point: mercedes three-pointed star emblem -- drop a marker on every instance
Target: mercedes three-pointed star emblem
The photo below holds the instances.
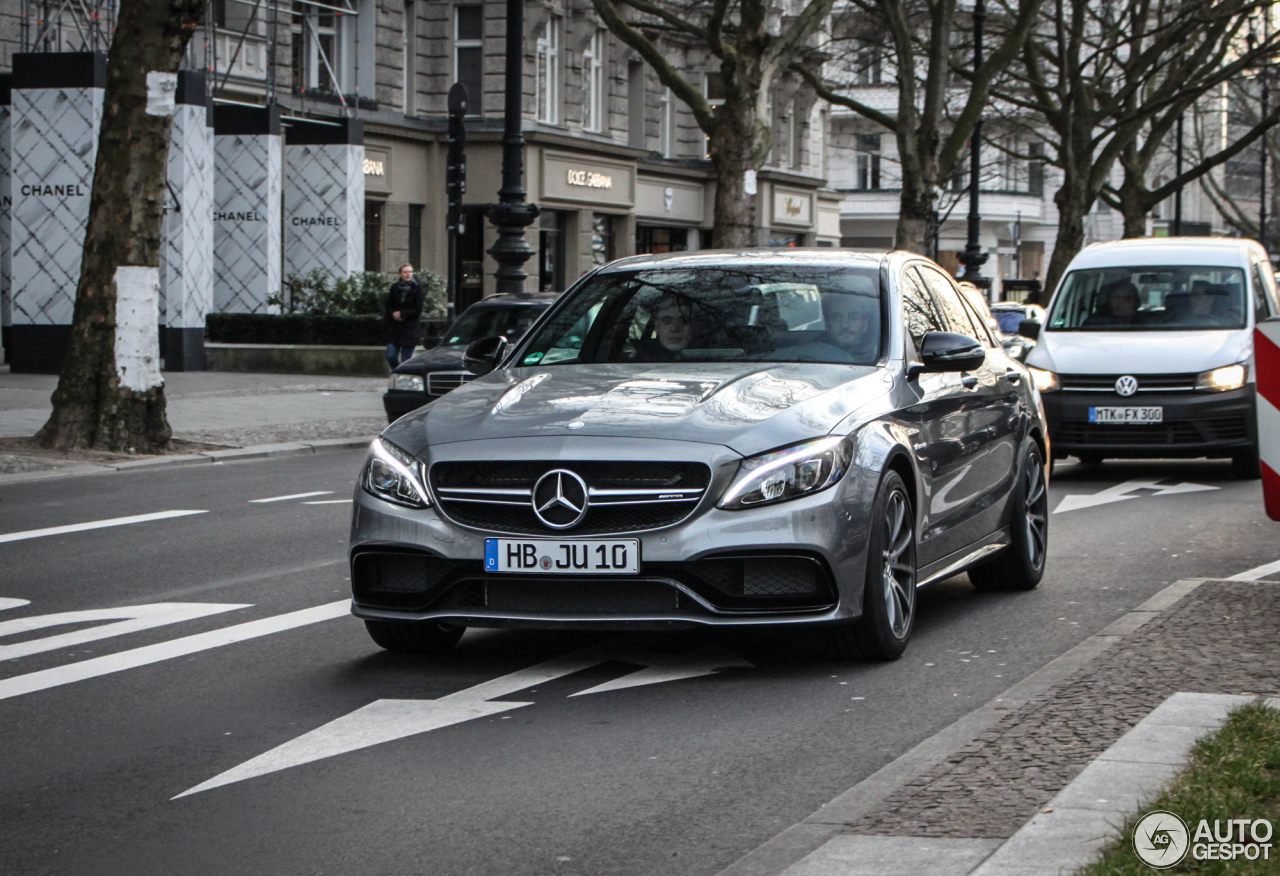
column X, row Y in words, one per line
column 560, row 499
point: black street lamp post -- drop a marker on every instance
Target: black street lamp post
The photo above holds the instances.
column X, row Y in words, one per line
column 511, row 214
column 973, row 258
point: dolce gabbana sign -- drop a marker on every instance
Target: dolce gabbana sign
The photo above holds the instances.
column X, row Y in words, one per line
column 377, row 169
column 587, row 180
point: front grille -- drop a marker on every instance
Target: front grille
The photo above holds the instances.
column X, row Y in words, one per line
column 592, row 596
column 440, row 382
column 624, row 496
column 1173, row 433
column 1146, row 382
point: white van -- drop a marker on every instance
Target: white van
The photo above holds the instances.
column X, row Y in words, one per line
column 1147, row 350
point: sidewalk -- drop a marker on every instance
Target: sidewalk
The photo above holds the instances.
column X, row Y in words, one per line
column 217, row 408
column 976, row 785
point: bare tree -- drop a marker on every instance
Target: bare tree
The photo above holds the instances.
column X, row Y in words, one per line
column 110, row 393
column 934, row 120
column 1098, row 72
column 753, row 42
column 1236, row 192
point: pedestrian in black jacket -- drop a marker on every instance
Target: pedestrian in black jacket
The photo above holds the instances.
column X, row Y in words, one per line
column 403, row 317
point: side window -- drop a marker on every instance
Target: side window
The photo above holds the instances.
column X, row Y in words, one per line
column 1264, row 283
column 919, row 312
column 953, row 308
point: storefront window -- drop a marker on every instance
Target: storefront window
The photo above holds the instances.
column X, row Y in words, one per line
column 657, row 240
column 470, row 257
column 551, row 251
column 783, row 238
column 415, row 234
column 373, row 235
column 601, row 239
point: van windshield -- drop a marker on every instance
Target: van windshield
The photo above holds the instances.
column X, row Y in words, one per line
column 1150, row 298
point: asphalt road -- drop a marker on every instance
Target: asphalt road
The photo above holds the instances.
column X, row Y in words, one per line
column 680, row 775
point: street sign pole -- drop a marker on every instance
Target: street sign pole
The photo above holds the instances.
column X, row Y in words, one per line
column 1266, row 358
column 455, row 185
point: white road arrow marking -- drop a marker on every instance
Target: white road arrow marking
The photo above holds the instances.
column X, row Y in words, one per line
column 388, row 720
column 95, row 524
column 130, row 619
column 1120, row 492
column 6, row 602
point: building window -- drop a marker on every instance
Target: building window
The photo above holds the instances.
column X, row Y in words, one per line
column 548, row 72
column 409, row 57
column 601, row 239
column 868, row 162
column 869, row 70
column 551, row 251
column 1035, row 169
column 664, row 123
column 713, row 90
column 593, row 83
column 468, row 55
column 373, row 235
column 656, row 239
column 315, row 39
column 415, row 235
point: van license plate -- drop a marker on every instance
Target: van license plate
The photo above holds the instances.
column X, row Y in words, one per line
column 1126, row 416
column 579, row 556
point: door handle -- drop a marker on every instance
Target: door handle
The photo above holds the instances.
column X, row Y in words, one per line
column 968, row 381
column 1014, row 376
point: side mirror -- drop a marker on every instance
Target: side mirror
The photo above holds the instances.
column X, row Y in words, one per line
column 483, row 356
column 1030, row 328
column 944, row 351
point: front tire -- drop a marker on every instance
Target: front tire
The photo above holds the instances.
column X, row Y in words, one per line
column 414, row 637
column 889, row 593
column 1021, row 565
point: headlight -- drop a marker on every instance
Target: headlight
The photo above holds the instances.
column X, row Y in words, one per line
column 1046, row 381
column 409, row 382
column 394, row 476
column 788, row 473
column 1221, row 379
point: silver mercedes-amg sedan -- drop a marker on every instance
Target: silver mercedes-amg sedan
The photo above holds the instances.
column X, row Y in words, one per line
column 757, row 437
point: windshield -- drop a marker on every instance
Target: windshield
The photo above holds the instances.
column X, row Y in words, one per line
column 488, row 321
column 783, row 313
column 1009, row 320
column 1151, row 298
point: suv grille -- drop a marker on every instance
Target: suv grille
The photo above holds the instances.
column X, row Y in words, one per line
column 1146, row 382
column 623, row 496
column 440, row 382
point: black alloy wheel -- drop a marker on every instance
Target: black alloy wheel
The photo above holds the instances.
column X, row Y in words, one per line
column 889, row 593
column 1021, row 565
column 414, row 637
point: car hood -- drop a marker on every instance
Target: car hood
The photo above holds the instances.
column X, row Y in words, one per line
column 748, row 407
column 1140, row 352
column 436, row 359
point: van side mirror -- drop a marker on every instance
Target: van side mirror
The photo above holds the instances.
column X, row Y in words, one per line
column 1030, row 328
column 945, row 351
column 483, row 356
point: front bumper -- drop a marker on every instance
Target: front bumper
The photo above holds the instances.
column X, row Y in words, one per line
column 795, row 562
column 1195, row 424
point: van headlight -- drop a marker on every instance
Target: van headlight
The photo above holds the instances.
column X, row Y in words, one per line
column 1221, row 379
column 407, row 382
column 1046, row 381
column 788, row 473
column 394, row 476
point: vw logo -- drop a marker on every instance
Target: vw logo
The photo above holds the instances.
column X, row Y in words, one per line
column 560, row 498
column 1127, row 385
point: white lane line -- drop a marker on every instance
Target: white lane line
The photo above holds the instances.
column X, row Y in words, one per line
column 330, row 502
column 109, row 663
column 293, row 496
column 1259, row 572
column 95, row 524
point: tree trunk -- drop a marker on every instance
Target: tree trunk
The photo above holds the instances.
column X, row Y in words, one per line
column 1073, row 205
column 110, row 393
column 733, row 148
column 1134, row 203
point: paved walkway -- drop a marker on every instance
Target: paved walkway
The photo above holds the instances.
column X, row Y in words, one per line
column 235, row 410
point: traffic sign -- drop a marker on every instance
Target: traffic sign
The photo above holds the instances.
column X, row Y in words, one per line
column 1266, row 358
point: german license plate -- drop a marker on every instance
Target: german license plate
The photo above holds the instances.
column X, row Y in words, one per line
column 1126, row 416
column 579, row 556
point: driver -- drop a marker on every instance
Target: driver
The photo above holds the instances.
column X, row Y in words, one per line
column 851, row 324
column 1122, row 306
column 673, row 329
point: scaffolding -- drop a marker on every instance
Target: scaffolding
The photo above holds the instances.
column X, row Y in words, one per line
column 238, row 49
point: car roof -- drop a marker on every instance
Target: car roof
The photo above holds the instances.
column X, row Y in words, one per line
column 708, row 258
column 1169, row 251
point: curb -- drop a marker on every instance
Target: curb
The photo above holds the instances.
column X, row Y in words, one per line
column 806, row 836
column 233, row 454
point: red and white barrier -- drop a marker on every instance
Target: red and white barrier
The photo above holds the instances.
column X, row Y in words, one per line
column 1266, row 358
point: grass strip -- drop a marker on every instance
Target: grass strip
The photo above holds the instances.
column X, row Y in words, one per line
column 1233, row 773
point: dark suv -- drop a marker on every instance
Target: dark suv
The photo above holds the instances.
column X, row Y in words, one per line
column 438, row 369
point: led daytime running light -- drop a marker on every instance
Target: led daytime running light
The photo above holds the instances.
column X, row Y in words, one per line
column 754, row 473
column 410, row 491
